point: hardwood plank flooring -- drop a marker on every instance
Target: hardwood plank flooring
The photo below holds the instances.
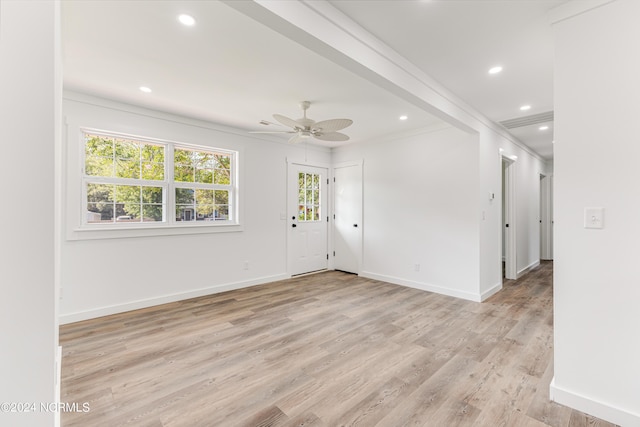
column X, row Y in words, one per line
column 328, row 349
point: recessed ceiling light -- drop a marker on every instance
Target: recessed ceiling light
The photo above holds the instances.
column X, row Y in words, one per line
column 145, row 89
column 495, row 70
column 403, row 117
column 525, row 107
column 543, row 127
column 187, row 20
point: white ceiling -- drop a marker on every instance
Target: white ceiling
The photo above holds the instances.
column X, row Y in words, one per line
column 232, row 70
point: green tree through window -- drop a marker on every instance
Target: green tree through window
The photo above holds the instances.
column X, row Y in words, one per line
column 126, row 180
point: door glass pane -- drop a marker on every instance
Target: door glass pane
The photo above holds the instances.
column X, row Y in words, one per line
column 309, row 208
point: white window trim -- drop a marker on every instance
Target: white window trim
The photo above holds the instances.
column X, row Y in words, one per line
column 86, row 231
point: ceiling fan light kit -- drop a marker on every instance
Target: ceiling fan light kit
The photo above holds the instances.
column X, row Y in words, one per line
column 304, row 128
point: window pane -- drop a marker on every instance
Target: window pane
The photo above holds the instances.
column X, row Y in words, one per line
column 222, row 212
column 127, row 193
column 98, row 146
column 204, row 197
column 100, row 193
column 99, row 212
column 183, row 173
column 152, row 195
column 204, row 176
column 98, row 166
column 185, row 213
column 182, row 156
column 204, row 212
column 152, row 153
column 126, row 149
column 128, row 212
column 222, row 197
column 309, row 197
column 185, row 196
column 206, row 161
column 153, row 171
column 222, row 176
column 152, row 213
column 128, row 169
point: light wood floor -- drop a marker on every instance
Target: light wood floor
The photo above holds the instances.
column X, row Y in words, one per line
column 329, row 349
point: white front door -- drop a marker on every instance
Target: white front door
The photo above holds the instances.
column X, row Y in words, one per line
column 308, row 218
column 348, row 218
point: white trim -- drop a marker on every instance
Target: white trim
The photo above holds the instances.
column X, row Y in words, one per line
column 490, row 292
column 574, row 8
column 510, row 250
column 470, row 296
column 592, row 406
column 150, row 302
column 528, row 268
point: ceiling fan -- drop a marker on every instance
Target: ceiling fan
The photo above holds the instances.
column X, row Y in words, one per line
column 304, row 128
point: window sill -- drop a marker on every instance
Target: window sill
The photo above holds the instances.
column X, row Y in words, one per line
column 119, row 232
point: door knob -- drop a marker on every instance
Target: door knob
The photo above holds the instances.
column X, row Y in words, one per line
column 355, row 225
column 294, row 225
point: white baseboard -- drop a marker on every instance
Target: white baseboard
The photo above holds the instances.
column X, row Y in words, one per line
column 423, row 286
column 593, row 407
column 492, row 291
column 527, row 269
column 149, row 302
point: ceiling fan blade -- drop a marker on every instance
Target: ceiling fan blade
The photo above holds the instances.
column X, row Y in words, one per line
column 267, row 123
column 296, row 138
column 286, row 121
column 332, row 136
column 332, row 125
column 272, row 131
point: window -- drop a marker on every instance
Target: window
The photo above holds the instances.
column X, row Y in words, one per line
column 129, row 180
column 308, row 197
column 202, row 185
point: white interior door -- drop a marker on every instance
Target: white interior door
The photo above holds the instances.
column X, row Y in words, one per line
column 348, row 218
column 308, row 218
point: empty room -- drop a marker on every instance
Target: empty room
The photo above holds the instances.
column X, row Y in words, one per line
column 319, row 213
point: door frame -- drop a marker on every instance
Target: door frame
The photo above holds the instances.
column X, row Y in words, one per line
column 509, row 194
column 360, row 254
column 329, row 208
column 546, row 216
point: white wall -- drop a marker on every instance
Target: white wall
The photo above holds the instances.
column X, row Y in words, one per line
column 29, row 86
column 104, row 276
column 597, row 283
column 420, row 207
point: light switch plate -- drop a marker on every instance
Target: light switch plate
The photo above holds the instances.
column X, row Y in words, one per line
column 593, row 217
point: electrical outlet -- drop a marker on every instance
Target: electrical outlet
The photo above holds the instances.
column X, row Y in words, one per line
column 246, row 265
column 416, row 267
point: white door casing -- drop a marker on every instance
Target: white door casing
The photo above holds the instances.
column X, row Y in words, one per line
column 509, row 220
column 307, row 218
column 347, row 238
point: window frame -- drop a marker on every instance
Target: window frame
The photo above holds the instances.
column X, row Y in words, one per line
column 169, row 225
